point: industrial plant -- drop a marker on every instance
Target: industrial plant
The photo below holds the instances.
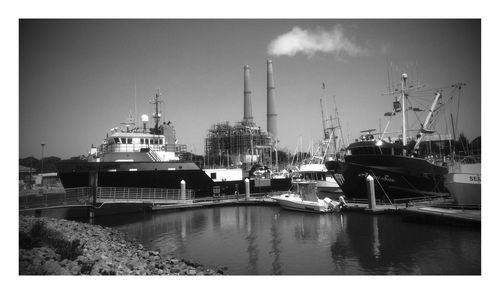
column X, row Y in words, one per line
column 245, row 143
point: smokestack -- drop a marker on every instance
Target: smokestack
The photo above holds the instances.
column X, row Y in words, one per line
column 271, row 109
column 247, row 107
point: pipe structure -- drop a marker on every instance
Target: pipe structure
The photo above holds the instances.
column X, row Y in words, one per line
column 271, row 108
column 247, row 107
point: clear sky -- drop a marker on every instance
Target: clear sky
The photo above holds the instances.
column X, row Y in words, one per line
column 77, row 77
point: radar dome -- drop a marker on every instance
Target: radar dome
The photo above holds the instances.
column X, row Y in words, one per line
column 144, row 118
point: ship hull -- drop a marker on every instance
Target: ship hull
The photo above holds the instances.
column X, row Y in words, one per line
column 166, row 175
column 296, row 204
column 395, row 177
column 465, row 185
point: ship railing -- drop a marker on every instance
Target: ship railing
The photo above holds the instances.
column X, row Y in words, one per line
column 138, row 147
column 125, row 194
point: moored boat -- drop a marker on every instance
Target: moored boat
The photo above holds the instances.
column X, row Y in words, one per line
column 143, row 157
column 305, row 199
column 400, row 168
column 317, row 172
column 464, row 182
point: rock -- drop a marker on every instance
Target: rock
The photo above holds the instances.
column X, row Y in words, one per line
column 104, row 251
column 174, row 261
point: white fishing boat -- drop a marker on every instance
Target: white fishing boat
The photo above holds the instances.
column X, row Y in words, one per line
column 330, row 148
column 463, row 181
column 317, row 172
column 305, row 199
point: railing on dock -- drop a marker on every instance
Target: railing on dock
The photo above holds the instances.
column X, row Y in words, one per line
column 444, row 201
column 82, row 196
column 144, row 194
column 67, row 197
column 440, row 200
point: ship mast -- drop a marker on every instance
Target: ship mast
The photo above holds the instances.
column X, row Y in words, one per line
column 404, row 77
column 156, row 114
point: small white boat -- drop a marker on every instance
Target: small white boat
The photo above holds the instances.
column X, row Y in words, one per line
column 306, row 199
column 463, row 181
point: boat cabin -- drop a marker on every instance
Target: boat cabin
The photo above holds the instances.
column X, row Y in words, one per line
column 136, row 146
column 375, row 148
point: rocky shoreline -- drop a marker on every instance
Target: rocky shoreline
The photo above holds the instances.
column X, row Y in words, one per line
column 61, row 247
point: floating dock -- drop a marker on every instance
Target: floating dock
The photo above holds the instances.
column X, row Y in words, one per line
column 420, row 213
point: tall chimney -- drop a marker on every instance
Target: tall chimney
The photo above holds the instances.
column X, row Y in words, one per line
column 247, row 107
column 271, row 109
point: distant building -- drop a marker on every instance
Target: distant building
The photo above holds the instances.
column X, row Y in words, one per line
column 26, row 177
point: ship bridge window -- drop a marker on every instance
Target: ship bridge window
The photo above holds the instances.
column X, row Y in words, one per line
column 123, row 141
column 363, row 150
column 129, row 140
column 117, row 140
column 142, row 141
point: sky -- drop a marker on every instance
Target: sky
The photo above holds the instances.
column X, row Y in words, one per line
column 80, row 78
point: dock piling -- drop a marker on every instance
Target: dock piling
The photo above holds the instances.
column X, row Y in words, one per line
column 370, row 191
column 183, row 190
column 247, row 189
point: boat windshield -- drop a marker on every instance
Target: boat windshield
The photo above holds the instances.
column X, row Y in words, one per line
column 307, row 192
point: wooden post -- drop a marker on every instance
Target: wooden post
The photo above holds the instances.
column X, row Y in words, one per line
column 247, row 189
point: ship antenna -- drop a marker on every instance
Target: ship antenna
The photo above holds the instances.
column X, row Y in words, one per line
column 156, row 114
column 135, row 100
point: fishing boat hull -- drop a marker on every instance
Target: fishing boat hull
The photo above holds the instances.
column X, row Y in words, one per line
column 464, row 185
column 395, row 177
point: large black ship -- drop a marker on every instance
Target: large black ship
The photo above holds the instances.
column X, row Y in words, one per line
column 400, row 169
column 395, row 175
column 142, row 157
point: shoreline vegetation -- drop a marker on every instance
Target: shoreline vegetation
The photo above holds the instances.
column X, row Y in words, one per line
column 50, row 246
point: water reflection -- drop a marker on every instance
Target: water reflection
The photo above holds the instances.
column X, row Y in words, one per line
column 339, row 248
column 277, row 265
column 375, row 240
column 251, row 236
column 268, row 240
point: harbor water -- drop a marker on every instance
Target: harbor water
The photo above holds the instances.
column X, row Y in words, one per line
column 266, row 240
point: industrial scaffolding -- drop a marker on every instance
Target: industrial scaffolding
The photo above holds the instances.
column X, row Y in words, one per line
column 241, row 144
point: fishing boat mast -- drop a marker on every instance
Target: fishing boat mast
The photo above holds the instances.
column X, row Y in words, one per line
column 404, row 78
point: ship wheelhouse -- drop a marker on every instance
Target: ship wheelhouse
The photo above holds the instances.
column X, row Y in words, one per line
column 375, row 148
column 136, row 142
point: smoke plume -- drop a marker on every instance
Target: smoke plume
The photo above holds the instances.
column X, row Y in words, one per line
column 300, row 40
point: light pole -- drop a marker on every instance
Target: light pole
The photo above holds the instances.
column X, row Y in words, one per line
column 43, row 145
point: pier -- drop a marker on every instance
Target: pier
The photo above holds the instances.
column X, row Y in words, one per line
column 437, row 210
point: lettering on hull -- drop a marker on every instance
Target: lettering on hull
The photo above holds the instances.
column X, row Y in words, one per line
column 384, row 178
